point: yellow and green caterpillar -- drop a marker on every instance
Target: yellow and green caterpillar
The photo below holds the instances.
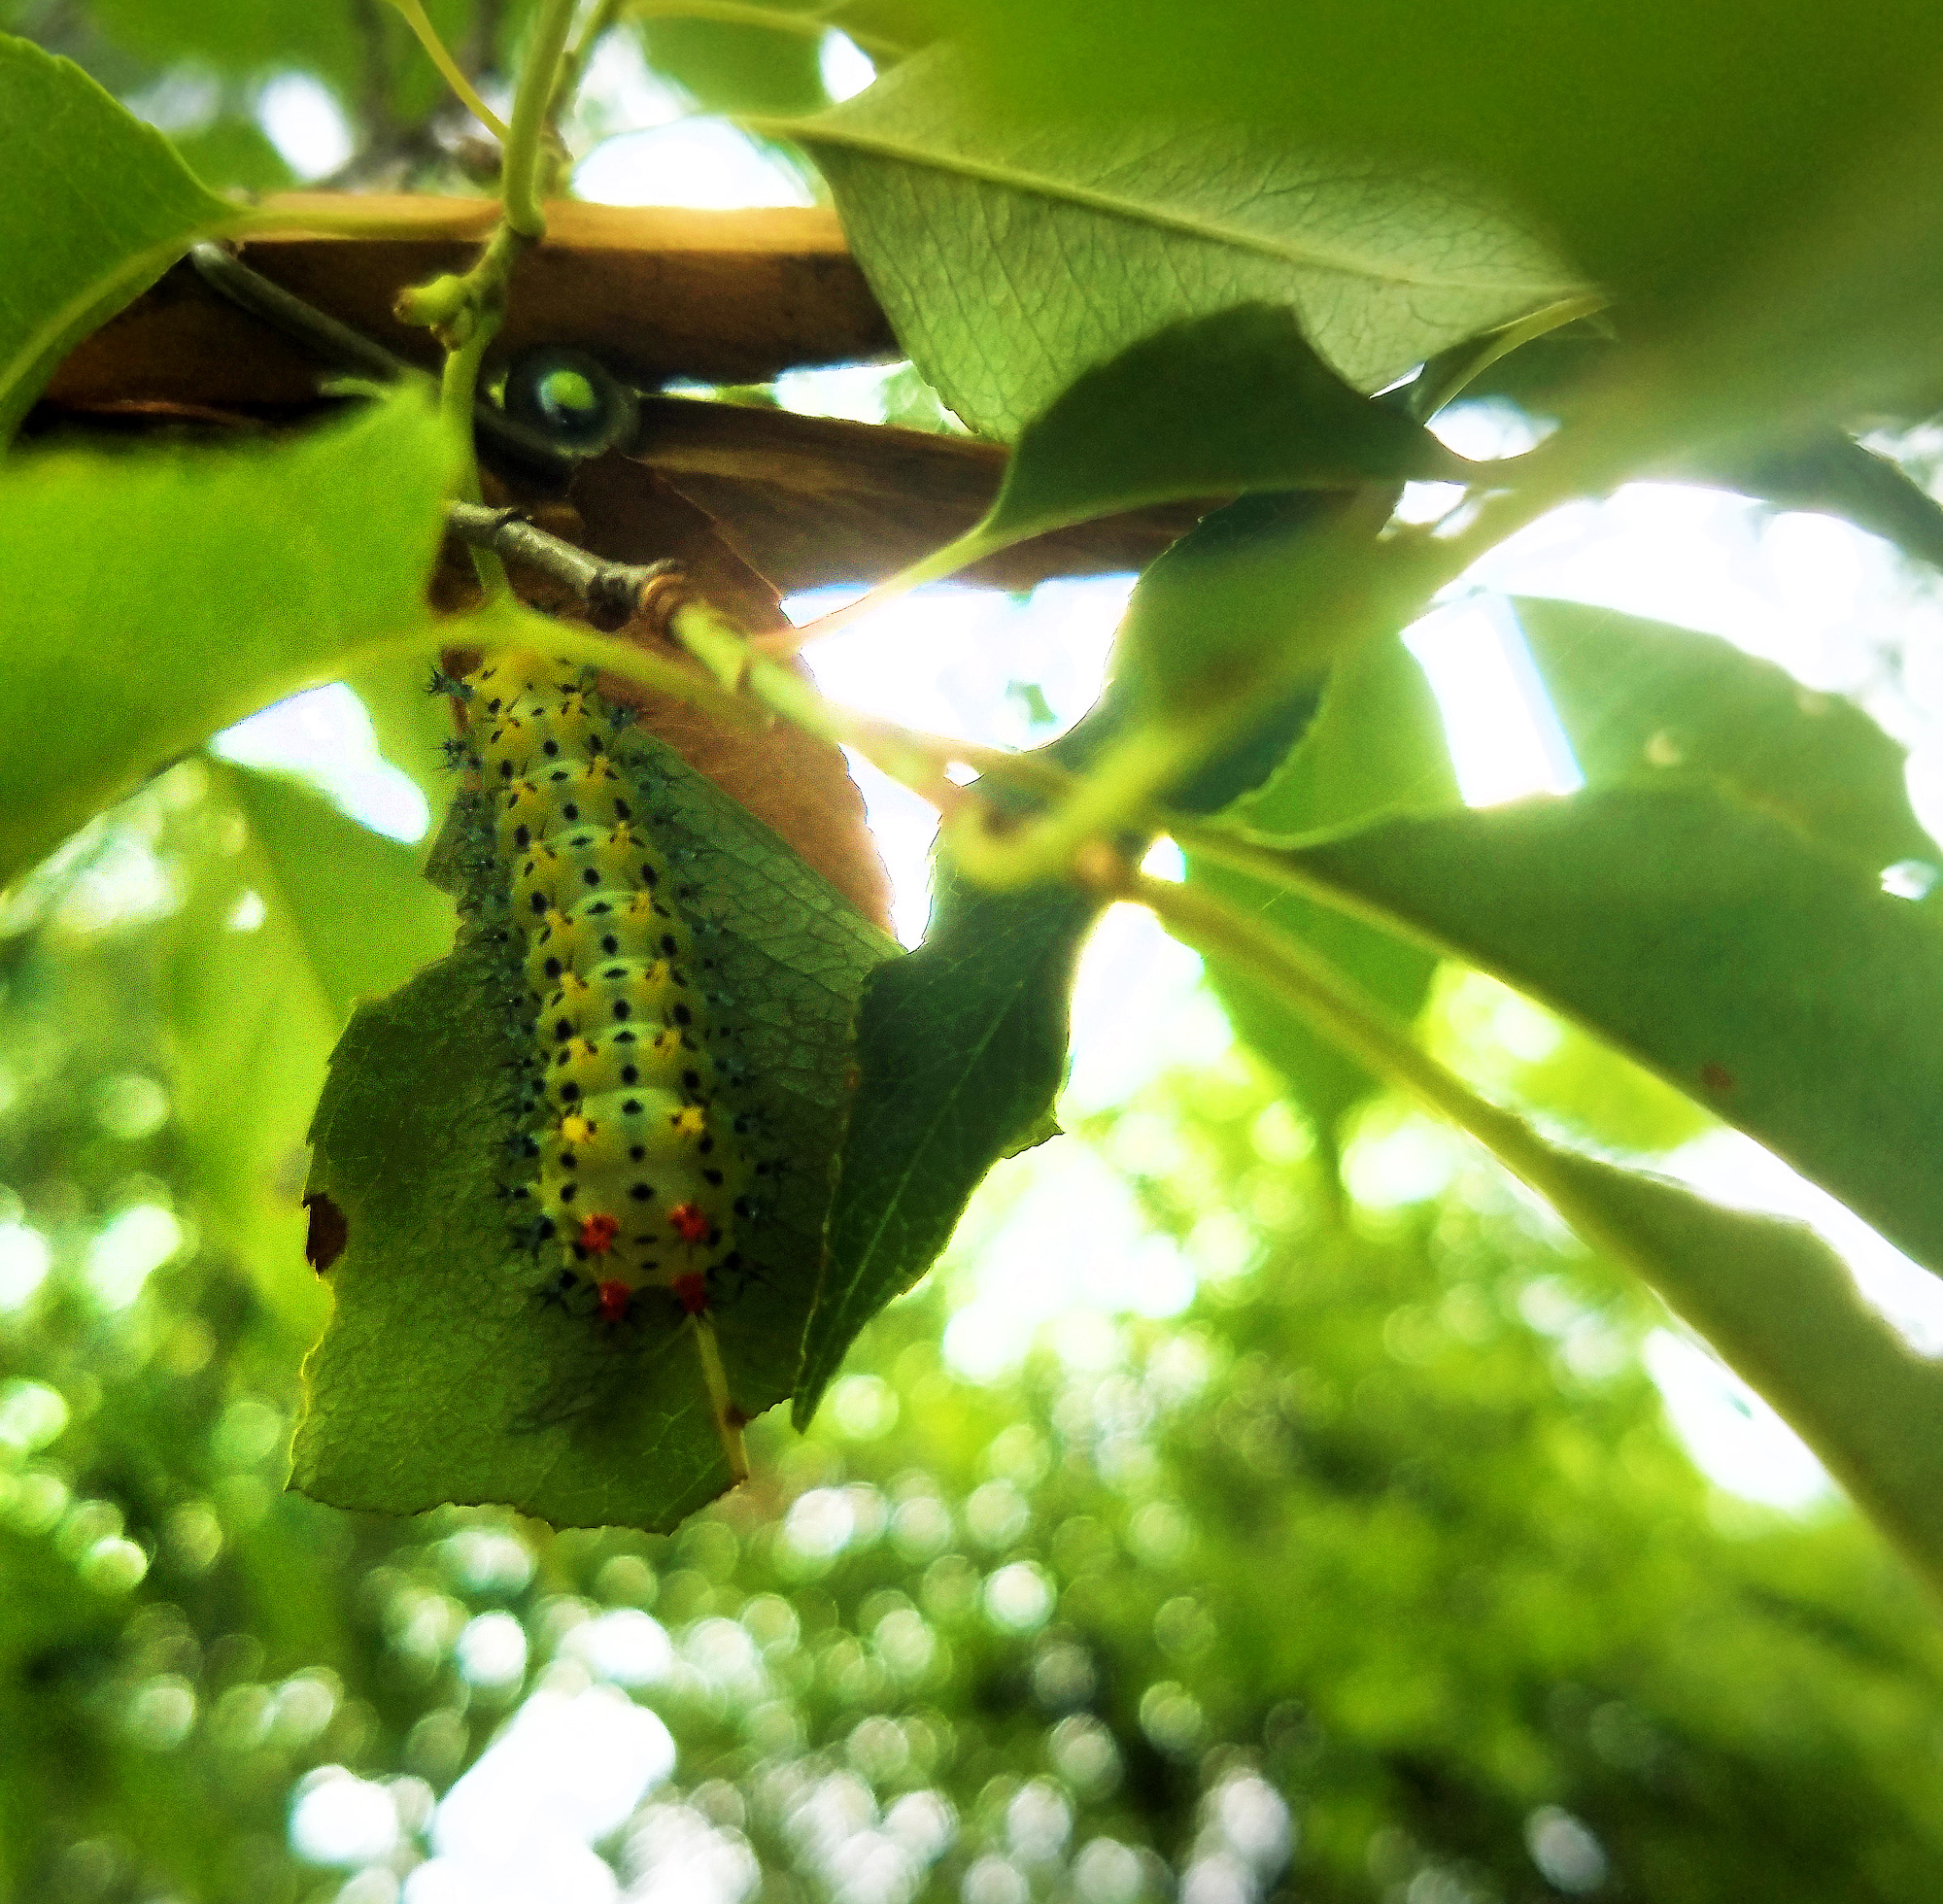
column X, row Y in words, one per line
column 643, row 1174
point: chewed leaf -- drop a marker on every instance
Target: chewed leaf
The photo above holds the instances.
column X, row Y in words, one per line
column 457, row 1366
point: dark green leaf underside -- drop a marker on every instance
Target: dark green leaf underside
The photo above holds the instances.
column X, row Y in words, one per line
column 1773, row 981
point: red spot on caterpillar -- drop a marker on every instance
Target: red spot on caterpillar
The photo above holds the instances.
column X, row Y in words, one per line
column 614, row 1302
column 690, row 1221
column 329, row 1232
column 598, row 1233
column 692, row 1292
column 1717, row 1077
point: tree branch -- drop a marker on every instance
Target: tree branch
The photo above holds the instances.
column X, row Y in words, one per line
column 609, row 593
column 658, row 598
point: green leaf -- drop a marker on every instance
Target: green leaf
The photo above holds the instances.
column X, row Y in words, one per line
column 1015, row 251
column 1377, row 745
column 728, row 66
column 94, row 207
column 1783, row 1310
column 409, row 725
column 1772, row 1298
column 1770, row 978
column 1268, row 590
column 443, row 1376
column 1833, row 475
column 961, row 1047
column 291, row 912
column 1234, row 401
column 1638, row 699
column 142, row 590
column 235, row 155
column 363, row 913
column 242, row 37
column 1763, row 210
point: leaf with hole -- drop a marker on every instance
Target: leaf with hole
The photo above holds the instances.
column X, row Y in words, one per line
column 445, row 1373
column 1640, row 701
column 275, row 941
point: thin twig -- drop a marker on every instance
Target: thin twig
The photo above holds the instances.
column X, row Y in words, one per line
column 340, row 346
column 609, row 593
column 658, row 598
column 454, row 75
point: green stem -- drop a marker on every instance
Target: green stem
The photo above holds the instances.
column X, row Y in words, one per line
column 1267, row 857
column 394, row 219
column 467, row 311
column 574, row 65
column 533, row 108
column 728, row 1417
column 458, row 388
column 1356, row 1023
column 505, row 623
column 917, row 761
column 1446, row 376
column 428, row 37
column 1378, row 586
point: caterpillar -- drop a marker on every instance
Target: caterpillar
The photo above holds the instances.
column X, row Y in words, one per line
column 639, row 1175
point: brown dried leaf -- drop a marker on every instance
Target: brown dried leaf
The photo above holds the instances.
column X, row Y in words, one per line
column 811, row 500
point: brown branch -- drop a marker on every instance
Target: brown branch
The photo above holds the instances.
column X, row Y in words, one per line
column 610, row 594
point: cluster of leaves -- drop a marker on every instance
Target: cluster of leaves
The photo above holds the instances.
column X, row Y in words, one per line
column 1182, row 283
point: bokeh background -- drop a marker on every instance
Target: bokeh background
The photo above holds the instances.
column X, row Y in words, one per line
column 1239, row 1511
